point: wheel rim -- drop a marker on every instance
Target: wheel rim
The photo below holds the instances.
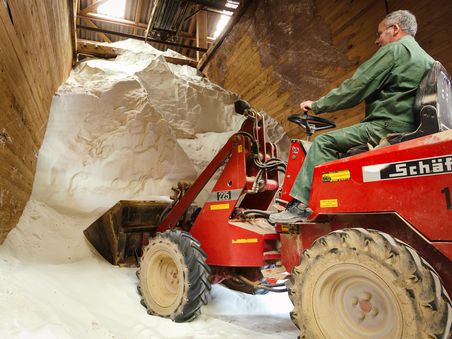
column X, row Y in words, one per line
column 350, row 301
column 163, row 281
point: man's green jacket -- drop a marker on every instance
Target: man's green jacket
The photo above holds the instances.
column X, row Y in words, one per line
column 387, row 82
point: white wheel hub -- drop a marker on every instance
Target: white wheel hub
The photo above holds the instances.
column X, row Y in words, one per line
column 163, row 278
column 351, row 301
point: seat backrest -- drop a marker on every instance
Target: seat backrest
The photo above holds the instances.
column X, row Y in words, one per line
column 433, row 104
column 435, row 90
column 432, row 108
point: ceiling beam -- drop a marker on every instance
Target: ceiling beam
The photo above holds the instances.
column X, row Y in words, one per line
column 191, row 30
column 138, row 37
column 110, row 20
column 138, row 14
column 74, row 4
column 151, row 19
column 94, row 48
column 201, row 32
column 215, row 4
column 100, row 33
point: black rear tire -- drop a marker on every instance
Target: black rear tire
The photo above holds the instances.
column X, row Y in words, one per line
column 357, row 283
column 173, row 276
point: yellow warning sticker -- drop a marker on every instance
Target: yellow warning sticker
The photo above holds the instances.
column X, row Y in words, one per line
column 245, row 241
column 328, row 203
column 219, row 207
column 240, row 148
column 336, row 176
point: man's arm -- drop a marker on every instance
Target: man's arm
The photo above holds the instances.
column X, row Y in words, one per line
column 368, row 78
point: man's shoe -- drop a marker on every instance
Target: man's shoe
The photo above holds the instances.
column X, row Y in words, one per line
column 296, row 211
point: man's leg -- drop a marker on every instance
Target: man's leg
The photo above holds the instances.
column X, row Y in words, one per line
column 327, row 147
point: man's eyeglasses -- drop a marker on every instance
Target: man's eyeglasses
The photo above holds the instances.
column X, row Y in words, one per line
column 379, row 33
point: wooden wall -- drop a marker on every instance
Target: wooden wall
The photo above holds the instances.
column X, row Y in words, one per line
column 35, row 59
column 284, row 51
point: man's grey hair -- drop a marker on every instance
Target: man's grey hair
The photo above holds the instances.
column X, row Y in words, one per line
column 405, row 19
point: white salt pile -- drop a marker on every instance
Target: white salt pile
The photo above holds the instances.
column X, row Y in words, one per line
column 128, row 128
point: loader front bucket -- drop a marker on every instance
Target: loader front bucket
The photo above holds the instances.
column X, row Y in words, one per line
column 120, row 233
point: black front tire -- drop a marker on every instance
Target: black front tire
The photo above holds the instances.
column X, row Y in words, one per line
column 173, row 276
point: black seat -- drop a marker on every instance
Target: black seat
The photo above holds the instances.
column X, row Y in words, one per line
column 433, row 104
column 432, row 108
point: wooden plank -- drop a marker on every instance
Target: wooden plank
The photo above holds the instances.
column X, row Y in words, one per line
column 201, row 32
column 46, row 46
column 16, row 134
column 100, row 50
column 20, row 72
column 138, row 8
column 93, row 25
column 74, row 5
column 179, row 61
column 114, row 21
column 156, row 43
column 97, row 49
column 151, row 19
column 27, row 44
column 190, row 33
column 35, row 57
column 243, row 64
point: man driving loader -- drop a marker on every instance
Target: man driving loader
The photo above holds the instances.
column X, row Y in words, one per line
column 387, row 83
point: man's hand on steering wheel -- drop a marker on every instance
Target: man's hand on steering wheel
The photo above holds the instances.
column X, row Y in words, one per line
column 306, row 105
column 310, row 123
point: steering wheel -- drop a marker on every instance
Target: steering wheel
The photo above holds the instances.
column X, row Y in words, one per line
column 311, row 123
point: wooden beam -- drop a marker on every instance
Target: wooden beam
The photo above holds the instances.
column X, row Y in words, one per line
column 137, row 14
column 110, row 20
column 191, row 29
column 73, row 8
column 214, row 4
column 201, row 32
column 137, row 37
column 178, row 61
column 94, row 48
column 151, row 19
column 190, row 36
column 101, row 34
column 92, row 7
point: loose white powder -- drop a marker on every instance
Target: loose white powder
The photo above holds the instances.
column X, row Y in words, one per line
column 128, row 128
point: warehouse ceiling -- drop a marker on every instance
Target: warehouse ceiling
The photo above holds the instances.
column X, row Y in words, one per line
column 189, row 27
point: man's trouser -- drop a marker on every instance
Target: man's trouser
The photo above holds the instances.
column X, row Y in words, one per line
column 329, row 146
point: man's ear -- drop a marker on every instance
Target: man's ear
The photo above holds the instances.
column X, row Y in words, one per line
column 397, row 29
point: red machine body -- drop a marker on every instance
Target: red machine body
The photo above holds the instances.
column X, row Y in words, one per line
column 411, row 178
column 231, row 242
column 228, row 241
column 402, row 189
column 394, row 189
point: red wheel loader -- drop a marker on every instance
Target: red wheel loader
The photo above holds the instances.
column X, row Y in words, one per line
column 372, row 261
